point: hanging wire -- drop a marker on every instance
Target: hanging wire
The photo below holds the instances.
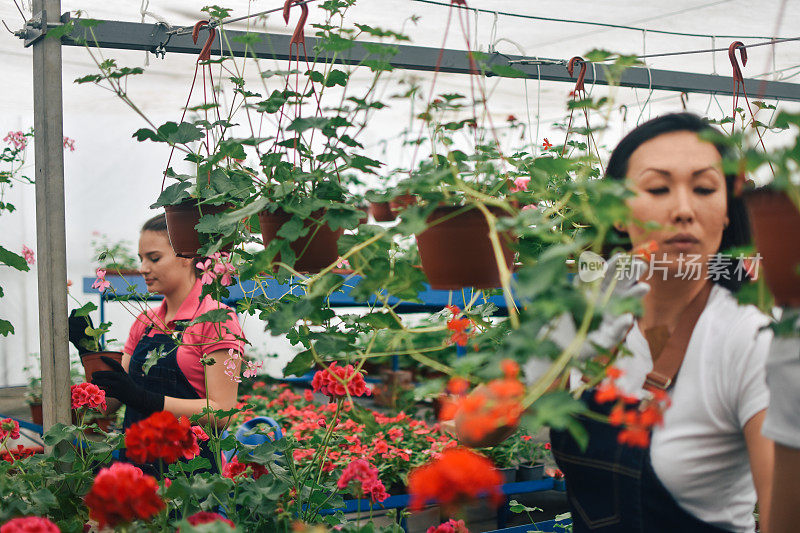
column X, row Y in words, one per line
column 711, row 50
column 214, row 23
column 591, row 23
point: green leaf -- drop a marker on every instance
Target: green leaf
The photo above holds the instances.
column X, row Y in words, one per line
column 85, row 309
column 7, row 257
column 508, row 72
column 173, row 195
column 302, row 363
column 215, row 315
column 6, row 328
column 293, row 229
column 303, row 124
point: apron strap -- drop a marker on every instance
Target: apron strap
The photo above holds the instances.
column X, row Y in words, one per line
column 668, row 362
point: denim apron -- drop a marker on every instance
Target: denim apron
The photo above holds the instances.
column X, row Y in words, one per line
column 612, row 487
column 164, row 377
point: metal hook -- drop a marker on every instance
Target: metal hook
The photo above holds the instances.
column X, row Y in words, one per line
column 298, row 37
column 737, row 71
column 684, row 99
column 624, row 110
column 205, row 52
column 571, row 67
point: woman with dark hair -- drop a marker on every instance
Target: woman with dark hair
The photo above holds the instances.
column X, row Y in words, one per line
column 188, row 374
column 708, row 463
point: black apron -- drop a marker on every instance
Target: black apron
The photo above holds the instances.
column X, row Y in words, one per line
column 611, row 487
column 164, row 377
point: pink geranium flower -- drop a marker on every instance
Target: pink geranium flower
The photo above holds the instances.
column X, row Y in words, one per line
column 27, row 253
column 101, row 283
column 520, row 184
column 207, row 276
column 16, row 139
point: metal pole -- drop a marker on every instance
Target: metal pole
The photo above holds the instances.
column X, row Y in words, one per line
column 156, row 38
column 50, row 220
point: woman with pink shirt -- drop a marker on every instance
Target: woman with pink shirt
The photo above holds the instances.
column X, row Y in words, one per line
column 188, row 374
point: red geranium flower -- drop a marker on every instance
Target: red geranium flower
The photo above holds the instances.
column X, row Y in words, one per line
column 88, row 395
column 161, row 436
column 29, row 524
column 234, row 470
column 546, row 144
column 338, row 381
column 9, row 428
column 121, row 493
column 206, row 517
column 451, row 526
column 458, row 475
column 366, row 476
column 458, row 327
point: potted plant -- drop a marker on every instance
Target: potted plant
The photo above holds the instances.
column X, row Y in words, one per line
column 774, row 213
column 91, row 343
column 33, row 395
column 533, row 455
column 115, row 257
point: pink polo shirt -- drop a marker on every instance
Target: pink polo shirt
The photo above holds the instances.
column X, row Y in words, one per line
column 198, row 339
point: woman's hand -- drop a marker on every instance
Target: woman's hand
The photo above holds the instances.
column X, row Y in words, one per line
column 118, row 384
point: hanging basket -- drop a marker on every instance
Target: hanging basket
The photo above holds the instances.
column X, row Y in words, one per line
column 456, row 252
column 315, row 250
column 181, row 222
column 775, row 223
column 92, row 362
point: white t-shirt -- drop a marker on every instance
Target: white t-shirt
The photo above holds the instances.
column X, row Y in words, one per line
column 783, row 378
column 700, row 454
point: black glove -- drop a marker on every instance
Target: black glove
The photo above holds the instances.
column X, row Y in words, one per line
column 77, row 332
column 118, row 384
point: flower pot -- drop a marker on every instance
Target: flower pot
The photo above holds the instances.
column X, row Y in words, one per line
column 457, row 253
column 775, row 222
column 92, row 362
column 398, row 203
column 181, row 222
column 36, row 413
column 126, row 272
column 315, row 251
column 530, row 472
column 509, row 474
column 381, row 211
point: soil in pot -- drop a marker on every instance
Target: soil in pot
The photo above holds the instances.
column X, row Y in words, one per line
column 181, row 222
column 315, row 251
column 92, row 362
column 456, row 252
column 775, row 222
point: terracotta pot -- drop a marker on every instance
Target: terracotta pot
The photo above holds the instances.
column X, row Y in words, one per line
column 181, row 222
column 127, row 272
column 775, row 223
column 457, row 253
column 92, row 362
column 36, row 413
column 381, row 211
column 398, row 203
column 315, row 251
column 364, row 218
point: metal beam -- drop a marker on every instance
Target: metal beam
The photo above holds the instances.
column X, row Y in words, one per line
column 50, row 222
column 155, row 38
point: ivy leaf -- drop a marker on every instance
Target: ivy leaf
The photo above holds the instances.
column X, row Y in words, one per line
column 303, row 124
column 173, row 195
column 85, row 309
column 215, row 315
column 302, row 363
column 7, row 257
column 6, row 328
column 293, row 229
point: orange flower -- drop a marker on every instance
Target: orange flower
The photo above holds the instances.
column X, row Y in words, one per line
column 457, row 385
column 646, row 250
column 606, row 392
column 614, row 372
column 490, row 408
column 510, row 368
column 637, row 437
column 546, row 144
column 458, row 476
